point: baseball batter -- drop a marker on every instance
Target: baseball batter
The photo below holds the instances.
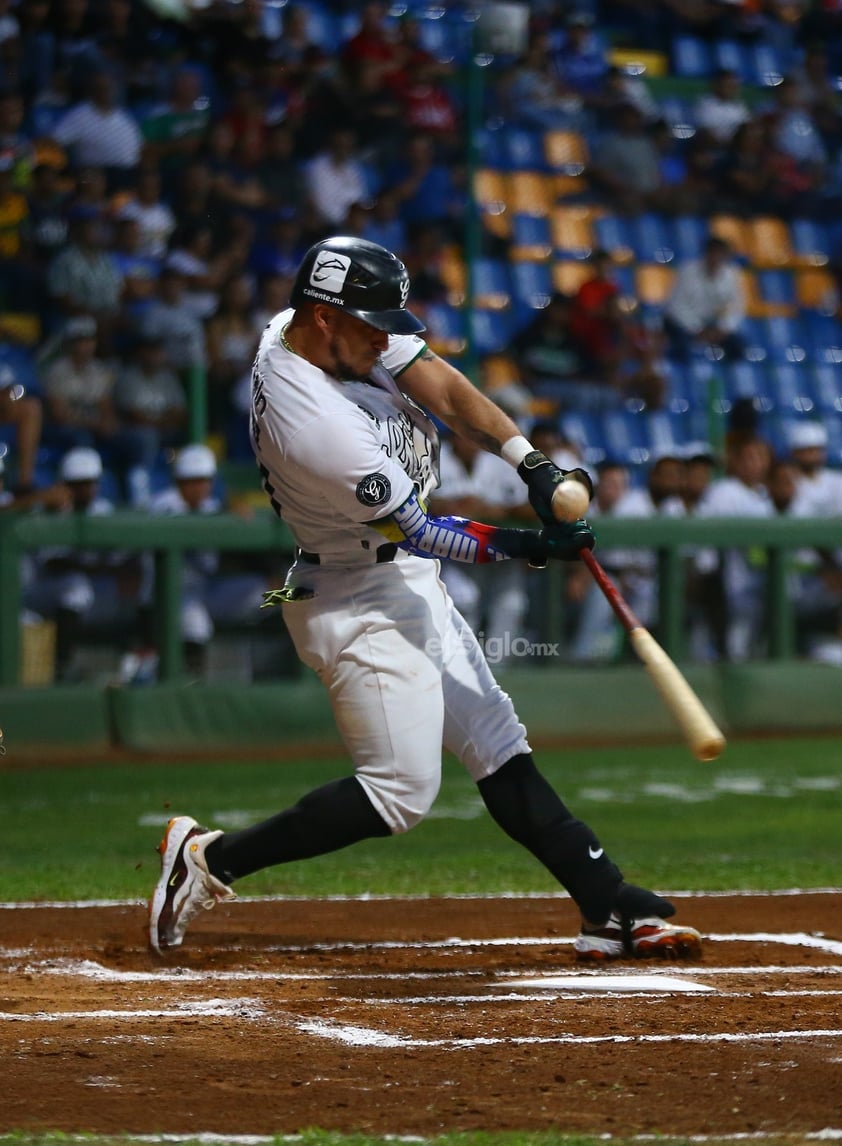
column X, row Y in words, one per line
column 343, row 389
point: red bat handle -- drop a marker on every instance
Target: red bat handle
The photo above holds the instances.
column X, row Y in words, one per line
column 613, row 595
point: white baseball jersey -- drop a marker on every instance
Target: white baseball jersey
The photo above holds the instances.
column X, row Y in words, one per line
column 382, row 446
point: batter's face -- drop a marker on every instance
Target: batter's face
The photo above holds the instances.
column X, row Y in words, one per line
column 352, row 347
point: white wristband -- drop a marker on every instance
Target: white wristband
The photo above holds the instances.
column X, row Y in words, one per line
column 516, row 449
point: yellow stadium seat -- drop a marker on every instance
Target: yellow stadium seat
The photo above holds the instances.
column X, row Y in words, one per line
column 499, row 370
column 769, row 243
column 491, row 195
column 566, row 151
column 639, row 62
column 734, row 231
column 653, row 283
column 569, row 274
column 815, row 289
column 530, row 193
column 453, row 274
column 572, row 229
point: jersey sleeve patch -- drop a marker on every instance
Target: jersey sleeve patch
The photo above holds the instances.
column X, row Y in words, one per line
column 374, row 490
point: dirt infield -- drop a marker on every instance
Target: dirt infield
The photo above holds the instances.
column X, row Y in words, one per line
column 419, row 1017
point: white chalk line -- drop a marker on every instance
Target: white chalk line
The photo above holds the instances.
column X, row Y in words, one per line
column 365, row 1036
column 367, row 897
column 198, row 1008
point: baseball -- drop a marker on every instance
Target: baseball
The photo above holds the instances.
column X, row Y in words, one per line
column 570, row 500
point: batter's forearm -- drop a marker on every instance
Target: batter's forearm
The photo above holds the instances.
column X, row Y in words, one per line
column 452, row 398
column 458, row 538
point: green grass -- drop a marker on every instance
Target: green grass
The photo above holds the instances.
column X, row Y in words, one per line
column 765, row 816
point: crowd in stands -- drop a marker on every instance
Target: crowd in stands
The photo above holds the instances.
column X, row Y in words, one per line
column 161, row 178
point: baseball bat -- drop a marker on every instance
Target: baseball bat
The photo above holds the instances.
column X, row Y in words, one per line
column 703, row 737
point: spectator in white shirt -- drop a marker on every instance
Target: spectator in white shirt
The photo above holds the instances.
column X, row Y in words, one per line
column 99, row 133
column 335, row 177
column 742, row 571
column 598, row 637
column 706, row 306
column 722, row 110
column 819, row 488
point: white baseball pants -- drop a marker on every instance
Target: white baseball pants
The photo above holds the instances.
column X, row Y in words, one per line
column 405, row 676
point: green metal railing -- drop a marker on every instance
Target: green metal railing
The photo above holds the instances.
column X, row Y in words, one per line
column 169, row 538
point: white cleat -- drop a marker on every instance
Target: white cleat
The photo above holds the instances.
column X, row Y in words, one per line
column 185, row 886
column 649, row 938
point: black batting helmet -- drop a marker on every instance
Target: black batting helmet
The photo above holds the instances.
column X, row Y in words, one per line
column 362, row 278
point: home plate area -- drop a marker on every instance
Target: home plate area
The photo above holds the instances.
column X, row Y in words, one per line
column 419, row 1017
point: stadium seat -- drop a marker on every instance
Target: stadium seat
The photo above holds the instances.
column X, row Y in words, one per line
column 566, row 152
column 653, row 283
column 748, row 380
column 679, row 114
column 769, row 243
column 586, row 432
column 733, row 56
column 491, row 286
column 663, row 429
column 826, row 387
column 787, row 339
column 445, row 330
column 777, row 291
column 453, row 273
column 791, row 387
column 815, row 289
column 691, row 58
column 573, row 231
column 489, row 148
column 687, row 235
column 652, row 239
column 444, row 33
column 614, row 234
column 491, row 194
column 323, row 28
column 530, row 193
column 625, row 436
column 532, row 285
column 531, row 238
column 811, row 243
column 768, row 64
column 522, row 149
column 491, row 331
column 569, row 274
column 735, row 231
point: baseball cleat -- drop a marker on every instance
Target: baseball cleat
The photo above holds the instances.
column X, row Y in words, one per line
column 185, row 886
column 648, row 938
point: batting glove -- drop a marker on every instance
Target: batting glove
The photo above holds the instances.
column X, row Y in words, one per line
column 541, row 476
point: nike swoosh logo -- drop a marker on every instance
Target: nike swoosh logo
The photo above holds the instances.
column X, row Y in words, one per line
column 595, row 853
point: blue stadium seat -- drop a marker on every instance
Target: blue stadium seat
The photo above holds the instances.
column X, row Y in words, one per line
column 491, row 284
column 323, row 28
column 653, row 242
column 823, row 336
column 748, row 380
column 691, row 57
column 625, row 436
column 687, row 235
column 834, row 441
column 785, row 339
column 586, row 432
column 664, row 430
column 523, row 150
column 531, row 237
column 777, row 287
column 22, row 362
column 489, row 148
column 826, row 387
column 733, row 56
column 492, row 330
column 768, row 64
column 444, row 33
column 792, row 387
column 678, row 113
column 811, row 241
column 613, row 233
column 532, row 284
column 445, row 328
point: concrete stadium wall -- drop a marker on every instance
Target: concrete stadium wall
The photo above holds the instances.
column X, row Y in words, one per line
column 608, row 704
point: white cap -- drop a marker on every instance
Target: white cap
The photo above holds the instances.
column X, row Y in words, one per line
column 195, row 462
column 82, row 464
column 807, row 435
column 698, row 451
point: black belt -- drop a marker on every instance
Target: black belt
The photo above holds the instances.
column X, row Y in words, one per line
column 383, row 553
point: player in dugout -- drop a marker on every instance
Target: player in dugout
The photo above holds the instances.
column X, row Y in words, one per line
column 343, row 389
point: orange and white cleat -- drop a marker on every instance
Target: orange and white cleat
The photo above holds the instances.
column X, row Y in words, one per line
column 185, row 886
column 648, row 938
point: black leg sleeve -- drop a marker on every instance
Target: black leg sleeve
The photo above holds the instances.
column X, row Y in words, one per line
column 324, row 820
column 528, row 809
